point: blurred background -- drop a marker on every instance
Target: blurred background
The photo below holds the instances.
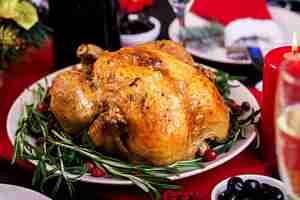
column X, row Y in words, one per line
column 105, row 22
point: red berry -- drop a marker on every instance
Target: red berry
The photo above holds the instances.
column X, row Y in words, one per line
column 41, row 107
column 210, row 155
column 89, row 166
column 124, row 4
column 97, row 172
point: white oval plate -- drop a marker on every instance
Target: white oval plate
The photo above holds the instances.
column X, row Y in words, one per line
column 13, row 192
column 288, row 21
column 239, row 94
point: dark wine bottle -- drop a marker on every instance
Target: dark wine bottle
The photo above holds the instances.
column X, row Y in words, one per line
column 82, row 21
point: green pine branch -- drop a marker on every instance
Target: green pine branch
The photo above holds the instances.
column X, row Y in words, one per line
column 23, row 39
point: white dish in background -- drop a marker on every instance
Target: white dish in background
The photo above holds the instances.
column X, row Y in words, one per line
column 140, row 38
column 239, row 94
column 13, row 192
column 288, row 21
column 221, row 187
column 259, row 86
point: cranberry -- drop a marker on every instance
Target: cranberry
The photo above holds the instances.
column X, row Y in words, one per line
column 90, row 165
column 41, row 107
column 210, row 155
column 97, row 172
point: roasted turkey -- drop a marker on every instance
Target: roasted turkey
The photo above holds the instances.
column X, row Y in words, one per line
column 149, row 103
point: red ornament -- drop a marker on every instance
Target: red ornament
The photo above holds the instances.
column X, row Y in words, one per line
column 133, row 6
column 148, row 2
column 123, row 4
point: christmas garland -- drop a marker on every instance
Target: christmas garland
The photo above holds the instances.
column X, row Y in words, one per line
column 19, row 29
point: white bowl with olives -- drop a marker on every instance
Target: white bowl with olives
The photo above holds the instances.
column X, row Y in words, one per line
column 248, row 187
column 132, row 39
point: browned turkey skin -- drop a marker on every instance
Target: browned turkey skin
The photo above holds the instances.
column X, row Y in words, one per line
column 147, row 103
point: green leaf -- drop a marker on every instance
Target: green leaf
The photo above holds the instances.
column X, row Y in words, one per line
column 26, row 15
column 22, row 12
column 8, row 9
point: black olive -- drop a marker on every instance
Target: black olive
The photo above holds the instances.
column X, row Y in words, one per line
column 277, row 194
column 266, row 190
column 224, row 195
column 247, row 198
column 251, row 186
column 246, row 106
column 235, row 185
column 270, row 192
column 232, row 197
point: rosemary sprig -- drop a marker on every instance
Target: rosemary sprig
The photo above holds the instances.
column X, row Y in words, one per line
column 223, row 83
column 62, row 159
column 150, row 179
column 237, row 130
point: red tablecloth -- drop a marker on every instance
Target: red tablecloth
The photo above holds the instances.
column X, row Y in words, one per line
column 33, row 66
column 38, row 63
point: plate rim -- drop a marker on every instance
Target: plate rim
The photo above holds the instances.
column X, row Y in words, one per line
column 117, row 181
column 27, row 190
column 195, row 52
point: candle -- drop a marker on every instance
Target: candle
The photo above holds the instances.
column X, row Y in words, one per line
column 290, row 73
column 292, row 59
column 273, row 61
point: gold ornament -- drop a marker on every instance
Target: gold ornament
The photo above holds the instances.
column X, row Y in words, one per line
column 22, row 12
column 7, row 37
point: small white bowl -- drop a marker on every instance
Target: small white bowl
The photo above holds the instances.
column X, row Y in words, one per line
column 140, row 38
column 14, row 192
column 259, row 86
column 221, row 187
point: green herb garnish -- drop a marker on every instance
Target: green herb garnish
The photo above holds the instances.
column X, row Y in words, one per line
column 223, row 83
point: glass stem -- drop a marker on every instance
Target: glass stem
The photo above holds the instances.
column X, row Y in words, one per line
column 181, row 29
column 181, row 21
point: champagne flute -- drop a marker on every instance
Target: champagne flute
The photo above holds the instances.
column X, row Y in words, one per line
column 288, row 125
column 179, row 7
